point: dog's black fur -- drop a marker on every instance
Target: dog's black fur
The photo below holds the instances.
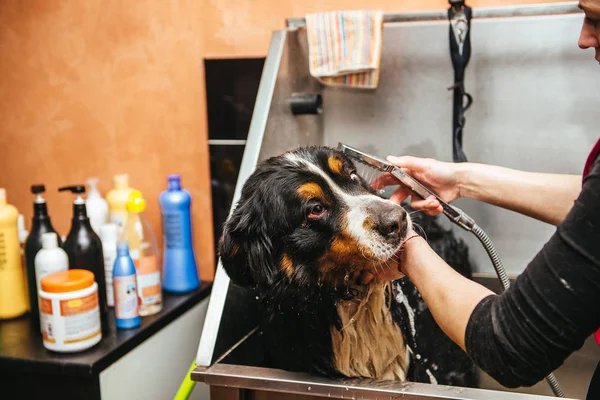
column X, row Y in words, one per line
column 298, row 309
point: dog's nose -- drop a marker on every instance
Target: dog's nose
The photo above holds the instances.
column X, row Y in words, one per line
column 390, row 219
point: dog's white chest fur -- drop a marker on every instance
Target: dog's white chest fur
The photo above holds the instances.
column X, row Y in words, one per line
column 369, row 344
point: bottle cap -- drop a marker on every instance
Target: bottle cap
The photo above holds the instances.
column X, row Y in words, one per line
column 121, row 181
column 2, row 196
column 49, row 240
column 77, row 189
column 135, row 202
column 92, row 183
column 67, row 281
column 123, row 248
column 174, row 181
column 38, row 190
column 109, row 232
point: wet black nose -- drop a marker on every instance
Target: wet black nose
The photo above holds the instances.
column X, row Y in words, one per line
column 390, row 219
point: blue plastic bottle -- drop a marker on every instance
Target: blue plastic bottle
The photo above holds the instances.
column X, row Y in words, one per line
column 125, row 289
column 180, row 274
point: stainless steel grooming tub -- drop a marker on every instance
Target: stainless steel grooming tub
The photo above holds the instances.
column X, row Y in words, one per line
column 529, row 112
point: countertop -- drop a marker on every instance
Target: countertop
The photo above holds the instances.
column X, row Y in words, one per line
column 21, row 349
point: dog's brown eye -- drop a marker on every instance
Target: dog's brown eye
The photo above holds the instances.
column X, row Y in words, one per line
column 316, row 211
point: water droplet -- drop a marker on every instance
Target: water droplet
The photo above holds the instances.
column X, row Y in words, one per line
column 309, row 388
column 256, row 297
column 418, row 356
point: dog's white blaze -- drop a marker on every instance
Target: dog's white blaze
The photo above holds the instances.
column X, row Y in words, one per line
column 357, row 213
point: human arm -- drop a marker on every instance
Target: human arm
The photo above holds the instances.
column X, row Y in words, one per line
column 524, row 334
column 449, row 296
column 546, row 197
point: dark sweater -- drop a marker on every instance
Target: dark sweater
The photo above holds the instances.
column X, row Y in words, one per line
column 524, row 334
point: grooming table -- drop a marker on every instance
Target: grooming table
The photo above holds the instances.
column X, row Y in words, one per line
column 520, row 114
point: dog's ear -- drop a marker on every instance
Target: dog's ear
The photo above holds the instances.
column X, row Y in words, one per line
column 232, row 251
column 245, row 247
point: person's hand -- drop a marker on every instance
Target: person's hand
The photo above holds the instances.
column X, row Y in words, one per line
column 391, row 270
column 437, row 175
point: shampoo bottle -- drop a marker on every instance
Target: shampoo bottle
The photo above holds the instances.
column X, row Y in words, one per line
column 125, row 288
column 180, row 274
column 50, row 258
column 144, row 252
column 117, row 199
column 84, row 248
column 23, row 233
column 40, row 224
column 96, row 206
column 13, row 297
column 109, row 236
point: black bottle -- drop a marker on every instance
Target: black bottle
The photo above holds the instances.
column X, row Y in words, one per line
column 40, row 224
column 84, row 248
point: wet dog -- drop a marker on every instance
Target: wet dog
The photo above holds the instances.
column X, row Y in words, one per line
column 304, row 231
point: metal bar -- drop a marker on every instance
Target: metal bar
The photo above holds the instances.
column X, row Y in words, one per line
column 226, row 142
column 274, row 380
column 249, row 160
column 527, row 10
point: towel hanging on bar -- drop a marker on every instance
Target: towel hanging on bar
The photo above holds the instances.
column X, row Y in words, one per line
column 344, row 47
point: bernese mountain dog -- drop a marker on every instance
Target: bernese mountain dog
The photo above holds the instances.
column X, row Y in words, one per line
column 306, row 228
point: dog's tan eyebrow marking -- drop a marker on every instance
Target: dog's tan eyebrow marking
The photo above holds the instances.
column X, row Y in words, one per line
column 310, row 190
column 335, row 164
column 368, row 223
column 287, row 265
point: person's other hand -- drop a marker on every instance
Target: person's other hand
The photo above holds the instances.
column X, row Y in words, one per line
column 437, row 175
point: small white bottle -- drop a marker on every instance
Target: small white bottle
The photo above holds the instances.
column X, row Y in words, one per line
column 23, row 233
column 50, row 258
column 96, row 207
column 109, row 236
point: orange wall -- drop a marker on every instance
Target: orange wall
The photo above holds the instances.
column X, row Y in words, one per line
column 235, row 28
column 97, row 87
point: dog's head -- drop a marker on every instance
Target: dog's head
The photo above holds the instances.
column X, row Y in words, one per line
column 307, row 216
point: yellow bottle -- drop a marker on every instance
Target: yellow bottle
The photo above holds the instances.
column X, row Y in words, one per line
column 13, row 296
column 117, row 199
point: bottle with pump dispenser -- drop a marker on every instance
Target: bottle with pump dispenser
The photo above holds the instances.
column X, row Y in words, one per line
column 144, row 252
column 49, row 259
column 125, row 289
column 117, row 199
column 13, row 296
column 180, row 274
column 40, row 224
column 109, row 236
column 96, row 206
column 84, row 248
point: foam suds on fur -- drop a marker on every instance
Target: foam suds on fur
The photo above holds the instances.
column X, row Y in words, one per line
column 402, row 299
column 369, row 344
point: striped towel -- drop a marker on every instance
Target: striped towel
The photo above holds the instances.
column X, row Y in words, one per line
column 344, row 47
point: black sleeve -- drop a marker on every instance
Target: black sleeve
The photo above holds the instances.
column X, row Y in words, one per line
column 524, row 334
